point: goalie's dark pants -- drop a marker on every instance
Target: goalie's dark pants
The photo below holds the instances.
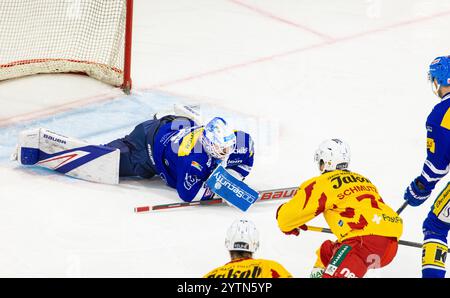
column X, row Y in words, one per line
column 354, row 256
column 135, row 150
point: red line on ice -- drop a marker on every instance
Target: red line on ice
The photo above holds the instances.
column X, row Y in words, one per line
column 58, row 108
column 106, row 97
column 282, row 20
column 296, row 51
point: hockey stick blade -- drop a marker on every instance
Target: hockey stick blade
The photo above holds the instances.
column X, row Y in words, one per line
column 264, row 195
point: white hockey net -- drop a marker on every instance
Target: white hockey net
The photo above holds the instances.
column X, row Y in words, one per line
column 54, row 36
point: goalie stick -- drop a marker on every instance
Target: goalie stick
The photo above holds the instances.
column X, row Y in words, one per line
column 264, row 195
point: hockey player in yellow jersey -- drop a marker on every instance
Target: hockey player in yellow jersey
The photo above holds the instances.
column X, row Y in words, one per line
column 242, row 241
column 367, row 229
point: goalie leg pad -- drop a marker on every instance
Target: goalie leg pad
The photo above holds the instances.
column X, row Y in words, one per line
column 69, row 156
column 28, row 147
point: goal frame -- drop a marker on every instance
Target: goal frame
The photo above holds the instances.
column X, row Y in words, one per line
column 65, row 65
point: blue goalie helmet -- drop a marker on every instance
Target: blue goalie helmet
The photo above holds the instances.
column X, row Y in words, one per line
column 439, row 73
column 218, row 139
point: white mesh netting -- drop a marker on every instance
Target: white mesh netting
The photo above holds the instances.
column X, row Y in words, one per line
column 50, row 36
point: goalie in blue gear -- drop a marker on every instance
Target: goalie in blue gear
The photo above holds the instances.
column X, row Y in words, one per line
column 184, row 154
column 436, row 166
column 175, row 148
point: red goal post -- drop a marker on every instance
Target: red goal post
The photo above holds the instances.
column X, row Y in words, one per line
column 67, row 36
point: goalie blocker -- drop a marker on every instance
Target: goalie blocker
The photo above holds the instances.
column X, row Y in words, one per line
column 231, row 189
column 68, row 156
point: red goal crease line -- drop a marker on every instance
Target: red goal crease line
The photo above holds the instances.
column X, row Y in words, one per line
column 43, row 60
column 75, row 104
column 327, row 42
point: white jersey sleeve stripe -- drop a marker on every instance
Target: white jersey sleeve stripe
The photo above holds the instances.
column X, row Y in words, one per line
column 429, row 179
column 245, row 168
column 436, row 170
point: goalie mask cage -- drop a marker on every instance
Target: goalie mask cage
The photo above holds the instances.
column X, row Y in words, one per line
column 60, row 36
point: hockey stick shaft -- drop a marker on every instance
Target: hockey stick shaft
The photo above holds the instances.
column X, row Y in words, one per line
column 402, row 207
column 177, row 205
column 264, row 195
column 328, row 231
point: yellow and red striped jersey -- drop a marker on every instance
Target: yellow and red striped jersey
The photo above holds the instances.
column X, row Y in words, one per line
column 349, row 202
column 250, row 268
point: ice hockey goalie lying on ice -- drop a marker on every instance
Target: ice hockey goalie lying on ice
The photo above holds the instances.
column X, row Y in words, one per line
column 175, row 148
column 367, row 229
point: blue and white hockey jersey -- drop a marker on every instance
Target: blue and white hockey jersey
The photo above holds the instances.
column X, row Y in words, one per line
column 183, row 164
column 436, row 165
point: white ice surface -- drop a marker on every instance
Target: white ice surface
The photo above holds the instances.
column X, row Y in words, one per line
column 291, row 72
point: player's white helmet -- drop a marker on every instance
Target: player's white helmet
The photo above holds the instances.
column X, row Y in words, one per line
column 218, row 138
column 242, row 235
column 335, row 155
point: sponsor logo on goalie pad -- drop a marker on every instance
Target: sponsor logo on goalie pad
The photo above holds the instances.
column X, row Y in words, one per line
column 54, row 139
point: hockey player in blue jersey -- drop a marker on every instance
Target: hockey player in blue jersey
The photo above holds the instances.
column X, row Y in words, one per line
column 181, row 152
column 436, row 166
column 184, row 154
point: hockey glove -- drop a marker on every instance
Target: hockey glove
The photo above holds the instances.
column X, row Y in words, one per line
column 296, row 231
column 416, row 193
